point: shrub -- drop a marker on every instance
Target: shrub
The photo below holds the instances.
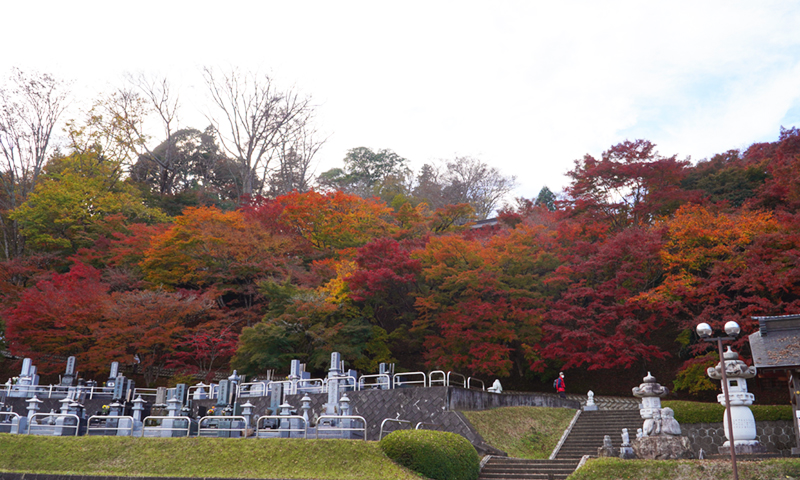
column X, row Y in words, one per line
column 697, row 412
column 437, row 455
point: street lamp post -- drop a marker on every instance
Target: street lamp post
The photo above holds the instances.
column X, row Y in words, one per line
column 732, row 329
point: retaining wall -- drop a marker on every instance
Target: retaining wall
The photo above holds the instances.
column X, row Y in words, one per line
column 777, row 436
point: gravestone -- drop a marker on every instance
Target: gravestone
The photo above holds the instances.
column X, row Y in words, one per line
column 180, row 393
column 161, row 397
column 275, row 397
column 334, row 373
column 112, row 376
column 294, row 376
column 119, row 389
column 388, row 370
column 130, row 386
column 224, row 394
column 25, row 387
column 69, row 373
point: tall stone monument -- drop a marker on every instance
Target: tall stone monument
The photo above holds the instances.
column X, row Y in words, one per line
column 744, row 425
column 661, row 435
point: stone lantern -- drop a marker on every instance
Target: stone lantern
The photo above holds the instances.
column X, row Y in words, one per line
column 744, row 425
column 650, row 392
column 661, row 434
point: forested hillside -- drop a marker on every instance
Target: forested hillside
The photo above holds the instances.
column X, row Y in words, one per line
column 202, row 251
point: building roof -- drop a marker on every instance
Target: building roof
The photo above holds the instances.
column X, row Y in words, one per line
column 777, row 343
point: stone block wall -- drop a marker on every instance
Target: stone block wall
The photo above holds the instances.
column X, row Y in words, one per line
column 777, row 436
column 463, row 399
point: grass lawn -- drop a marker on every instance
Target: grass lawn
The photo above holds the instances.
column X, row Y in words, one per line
column 616, row 469
column 199, row 457
column 523, row 432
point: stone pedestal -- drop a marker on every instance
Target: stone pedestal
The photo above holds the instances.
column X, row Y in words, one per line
column 607, row 450
column 663, row 447
column 743, row 449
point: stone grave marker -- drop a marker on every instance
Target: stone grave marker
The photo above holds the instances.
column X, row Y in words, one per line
column 69, row 373
column 119, row 388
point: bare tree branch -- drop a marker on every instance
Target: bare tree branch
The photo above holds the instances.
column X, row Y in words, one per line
column 31, row 106
column 256, row 120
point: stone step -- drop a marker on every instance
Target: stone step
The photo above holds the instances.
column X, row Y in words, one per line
column 526, row 461
column 499, row 468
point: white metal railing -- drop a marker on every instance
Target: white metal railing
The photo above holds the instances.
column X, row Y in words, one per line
column 381, row 379
column 395, row 420
column 201, row 429
column 209, row 391
column 145, row 392
column 100, row 418
column 8, row 414
column 43, row 391
column 311, row 385
column 397, row 376
column 473, row 379
column 252, row 389
column 454, row 374
column 287, row 387
column 97, row 391
column 282, row 427
column 432, row 381
column 161, row 428
column 349, row 379
column 322, row 428
column 420, row 424
column 51, row 426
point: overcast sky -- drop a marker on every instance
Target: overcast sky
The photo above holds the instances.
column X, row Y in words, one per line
column 527, row 87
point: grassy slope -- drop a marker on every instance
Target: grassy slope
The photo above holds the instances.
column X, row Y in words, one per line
column 199, row 457
column 524, row 432
column 615, row 469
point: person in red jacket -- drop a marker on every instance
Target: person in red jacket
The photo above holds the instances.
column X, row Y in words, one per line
column 561, row 387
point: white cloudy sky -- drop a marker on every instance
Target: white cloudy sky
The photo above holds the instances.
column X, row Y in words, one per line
column 527, row 86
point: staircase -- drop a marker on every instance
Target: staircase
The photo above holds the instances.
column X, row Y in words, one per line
column 503, row 468
column 585, row 438
column 588, row 432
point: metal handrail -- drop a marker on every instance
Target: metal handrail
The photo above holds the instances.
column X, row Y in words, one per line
column 463, row 378
column 362, row 383
column 287, row 386
column 99, row 391
column 426, row 423
column 397, row 383
column 57, row 415
column 396, row 420
column 200, row 428
column 471, row 379
column 305, row 384
column 10, row 413
column 109, row 417
column 241, row 391
column 439, row 372
column 342, row 377
column 340, row 429
column 194, row 388
column 280, row 427
column 145, row 392
column 160, row 427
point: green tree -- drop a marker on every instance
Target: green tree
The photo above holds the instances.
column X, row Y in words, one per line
column 66, row 210
column 368, row 173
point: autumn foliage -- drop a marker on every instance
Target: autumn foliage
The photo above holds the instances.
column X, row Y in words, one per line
column 610, row 275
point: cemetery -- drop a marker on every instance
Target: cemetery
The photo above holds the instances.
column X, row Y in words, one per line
column 350, row 406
